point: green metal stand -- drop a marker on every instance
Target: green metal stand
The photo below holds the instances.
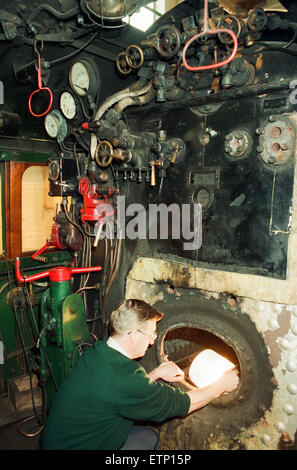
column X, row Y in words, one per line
column 63, row 329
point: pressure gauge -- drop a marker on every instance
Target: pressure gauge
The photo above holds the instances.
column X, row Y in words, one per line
column 51, row 125
column 84, row 78
column 67, row 105
column 55, row 125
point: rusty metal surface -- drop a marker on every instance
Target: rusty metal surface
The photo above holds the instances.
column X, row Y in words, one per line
column 277, row 140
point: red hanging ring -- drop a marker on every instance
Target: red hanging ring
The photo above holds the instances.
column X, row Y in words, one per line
column 207, row 31
column 40, row 87
column 218, row 64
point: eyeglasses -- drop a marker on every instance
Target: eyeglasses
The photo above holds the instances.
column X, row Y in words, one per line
column 152, row 336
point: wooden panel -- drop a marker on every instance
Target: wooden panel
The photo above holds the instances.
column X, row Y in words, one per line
column 13, row 206
column 169, row 4
column 234, row 6
column 38, row 208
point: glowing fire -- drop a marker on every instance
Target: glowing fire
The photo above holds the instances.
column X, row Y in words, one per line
column 208, row 367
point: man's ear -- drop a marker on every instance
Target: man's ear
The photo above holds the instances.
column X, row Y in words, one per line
column 131, row 337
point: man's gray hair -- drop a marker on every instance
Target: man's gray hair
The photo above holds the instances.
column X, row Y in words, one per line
column 131, row 314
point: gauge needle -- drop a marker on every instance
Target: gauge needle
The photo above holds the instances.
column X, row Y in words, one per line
column 84, row 89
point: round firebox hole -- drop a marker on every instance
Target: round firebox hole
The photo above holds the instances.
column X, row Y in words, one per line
column 183, row 344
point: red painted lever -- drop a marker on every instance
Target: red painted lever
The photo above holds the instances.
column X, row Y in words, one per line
column 40, row 88
column 61, row 273
column 54, row 241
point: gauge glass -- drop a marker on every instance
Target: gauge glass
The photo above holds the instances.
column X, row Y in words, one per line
column 51, row 124
column 54, row 171
column 79, row 78
column 67, row 105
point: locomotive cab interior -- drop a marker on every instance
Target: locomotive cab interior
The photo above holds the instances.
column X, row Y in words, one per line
column 147, row 150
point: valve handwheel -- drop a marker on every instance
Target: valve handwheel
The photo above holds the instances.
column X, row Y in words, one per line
column 134, row 56
column 229, row 22
column 257, row 20
column 104, row 153
column 167, row 40
column 122, row 64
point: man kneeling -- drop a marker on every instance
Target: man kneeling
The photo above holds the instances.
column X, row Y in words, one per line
column 107, row 392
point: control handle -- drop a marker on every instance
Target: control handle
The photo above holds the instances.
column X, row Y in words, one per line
column 60, row 273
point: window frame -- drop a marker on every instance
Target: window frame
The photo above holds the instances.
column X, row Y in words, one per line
column 13, row 175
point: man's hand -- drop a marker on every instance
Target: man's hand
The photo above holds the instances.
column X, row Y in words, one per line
column 167, row 371
column 202, row 396
column 230, row 380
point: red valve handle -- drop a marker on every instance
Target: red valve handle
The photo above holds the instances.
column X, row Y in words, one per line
column 53, row 241
column 40, row 88
column 61, row 273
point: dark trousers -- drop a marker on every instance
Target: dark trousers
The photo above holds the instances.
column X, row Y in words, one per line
column 141, row 438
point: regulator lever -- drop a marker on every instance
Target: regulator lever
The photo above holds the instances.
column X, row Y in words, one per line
column 60, row 273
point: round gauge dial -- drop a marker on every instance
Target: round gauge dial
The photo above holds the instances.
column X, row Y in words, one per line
column 79, row 78
column 55, row 125
column 67, row 105
column 51, row 124
column 84, row 78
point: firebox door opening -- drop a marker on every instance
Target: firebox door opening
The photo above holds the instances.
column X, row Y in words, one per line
column 193, row 323
column 182, row 345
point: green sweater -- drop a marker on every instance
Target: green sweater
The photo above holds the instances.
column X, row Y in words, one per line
column 102, row 397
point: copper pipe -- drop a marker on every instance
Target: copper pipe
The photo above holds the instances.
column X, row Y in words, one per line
column 135, row 100
column 26, row 433
column 132, row 90
column 153, row 174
